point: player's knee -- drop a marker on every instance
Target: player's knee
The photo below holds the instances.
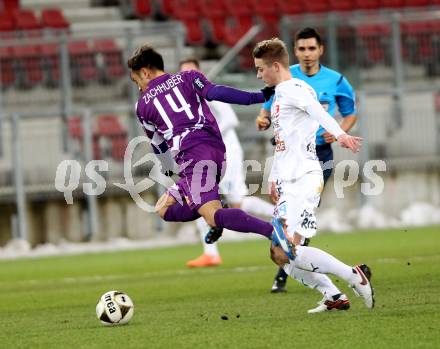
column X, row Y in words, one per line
column 210, row 220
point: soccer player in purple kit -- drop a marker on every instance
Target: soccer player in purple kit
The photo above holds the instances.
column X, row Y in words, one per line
column 173, row 111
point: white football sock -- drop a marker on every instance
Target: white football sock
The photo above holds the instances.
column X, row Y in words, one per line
column 255, row 205
column 203, row 229
column 313, row 280
column 316, row 260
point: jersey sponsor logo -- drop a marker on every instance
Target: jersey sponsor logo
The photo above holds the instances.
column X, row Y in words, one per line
column 281, row 210
column 198, row 83
column 309, row 220
column 280, row 145
column 311, row 148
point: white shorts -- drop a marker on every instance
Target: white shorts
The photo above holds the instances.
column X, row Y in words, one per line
column 297, row 203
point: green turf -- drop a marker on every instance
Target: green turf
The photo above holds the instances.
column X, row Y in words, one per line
column 50, row 302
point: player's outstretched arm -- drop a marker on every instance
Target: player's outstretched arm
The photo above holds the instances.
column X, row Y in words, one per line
column 227, row 94
column 317, row 112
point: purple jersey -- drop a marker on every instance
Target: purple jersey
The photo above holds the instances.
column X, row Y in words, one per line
column 174, row 106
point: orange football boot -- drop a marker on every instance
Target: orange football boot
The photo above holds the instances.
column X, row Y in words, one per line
column 205, row 260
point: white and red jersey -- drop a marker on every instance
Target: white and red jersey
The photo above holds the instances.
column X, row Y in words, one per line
column 296, row 115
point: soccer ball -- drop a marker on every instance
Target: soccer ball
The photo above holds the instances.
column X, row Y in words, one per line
column 114, row 308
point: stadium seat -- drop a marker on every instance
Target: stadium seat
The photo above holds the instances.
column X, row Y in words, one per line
column 75, row 128
column 290, row 7
column 317, row 6
column 269, row 13
column 240, row 20
column 82, row 62
column 416, row 3
column 417, row 41
column 167, row 8
column 28, row 65
column 142, row 8
column 341, row 5
column 7, row 23
column 74, row 125
column 54, row 18
column 11, row 5
column 367, row 4
column 109, row 127
column 50, row 54
column 27, row 21
column 112, row 59
column 239, row 9
column 214, row 12
column 7, row 67
column 188, row 12
column 391, row 3
column 235, row 29
column 372, row 37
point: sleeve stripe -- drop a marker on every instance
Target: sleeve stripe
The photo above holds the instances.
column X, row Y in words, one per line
column 340, row 80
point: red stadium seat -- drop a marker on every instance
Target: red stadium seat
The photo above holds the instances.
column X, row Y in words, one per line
column 416, row 3
column 367, row 4
column 417, row 41
column 188, row 12
column 110, row 127
column 317, row 6
column 242, row 8
column 50, row 54
column 142, row 8
column 54, row 18
column 341, row 5
column 391, row 3
column 28, row 64
column 74, row 125
column 214, row 11
column 82, row 62
column 269, row 13
column 371, row 38
column 236, row 28
column 7, row 23
column 290, row 7
column 7, row 67
column 194, row 34
column 26, row 20
column 11, row 5
column 168, row 8
column 113, row 60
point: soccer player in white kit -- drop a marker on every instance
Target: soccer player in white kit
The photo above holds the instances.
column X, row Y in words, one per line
column 296, row 115
column 233, row 185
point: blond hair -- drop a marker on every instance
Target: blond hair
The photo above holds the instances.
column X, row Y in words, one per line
column 270, row 51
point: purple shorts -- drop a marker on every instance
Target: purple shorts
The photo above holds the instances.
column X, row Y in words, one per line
column 201, row 169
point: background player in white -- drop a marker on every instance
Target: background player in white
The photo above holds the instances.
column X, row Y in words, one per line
column 296, row 115
column 232, row 186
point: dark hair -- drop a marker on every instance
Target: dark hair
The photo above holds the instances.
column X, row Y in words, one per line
column 145, row 57
column 307, row 33
column 271, row 50
column 192, row 60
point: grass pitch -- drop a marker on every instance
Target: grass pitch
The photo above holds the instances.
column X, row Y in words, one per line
column 50, row 302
